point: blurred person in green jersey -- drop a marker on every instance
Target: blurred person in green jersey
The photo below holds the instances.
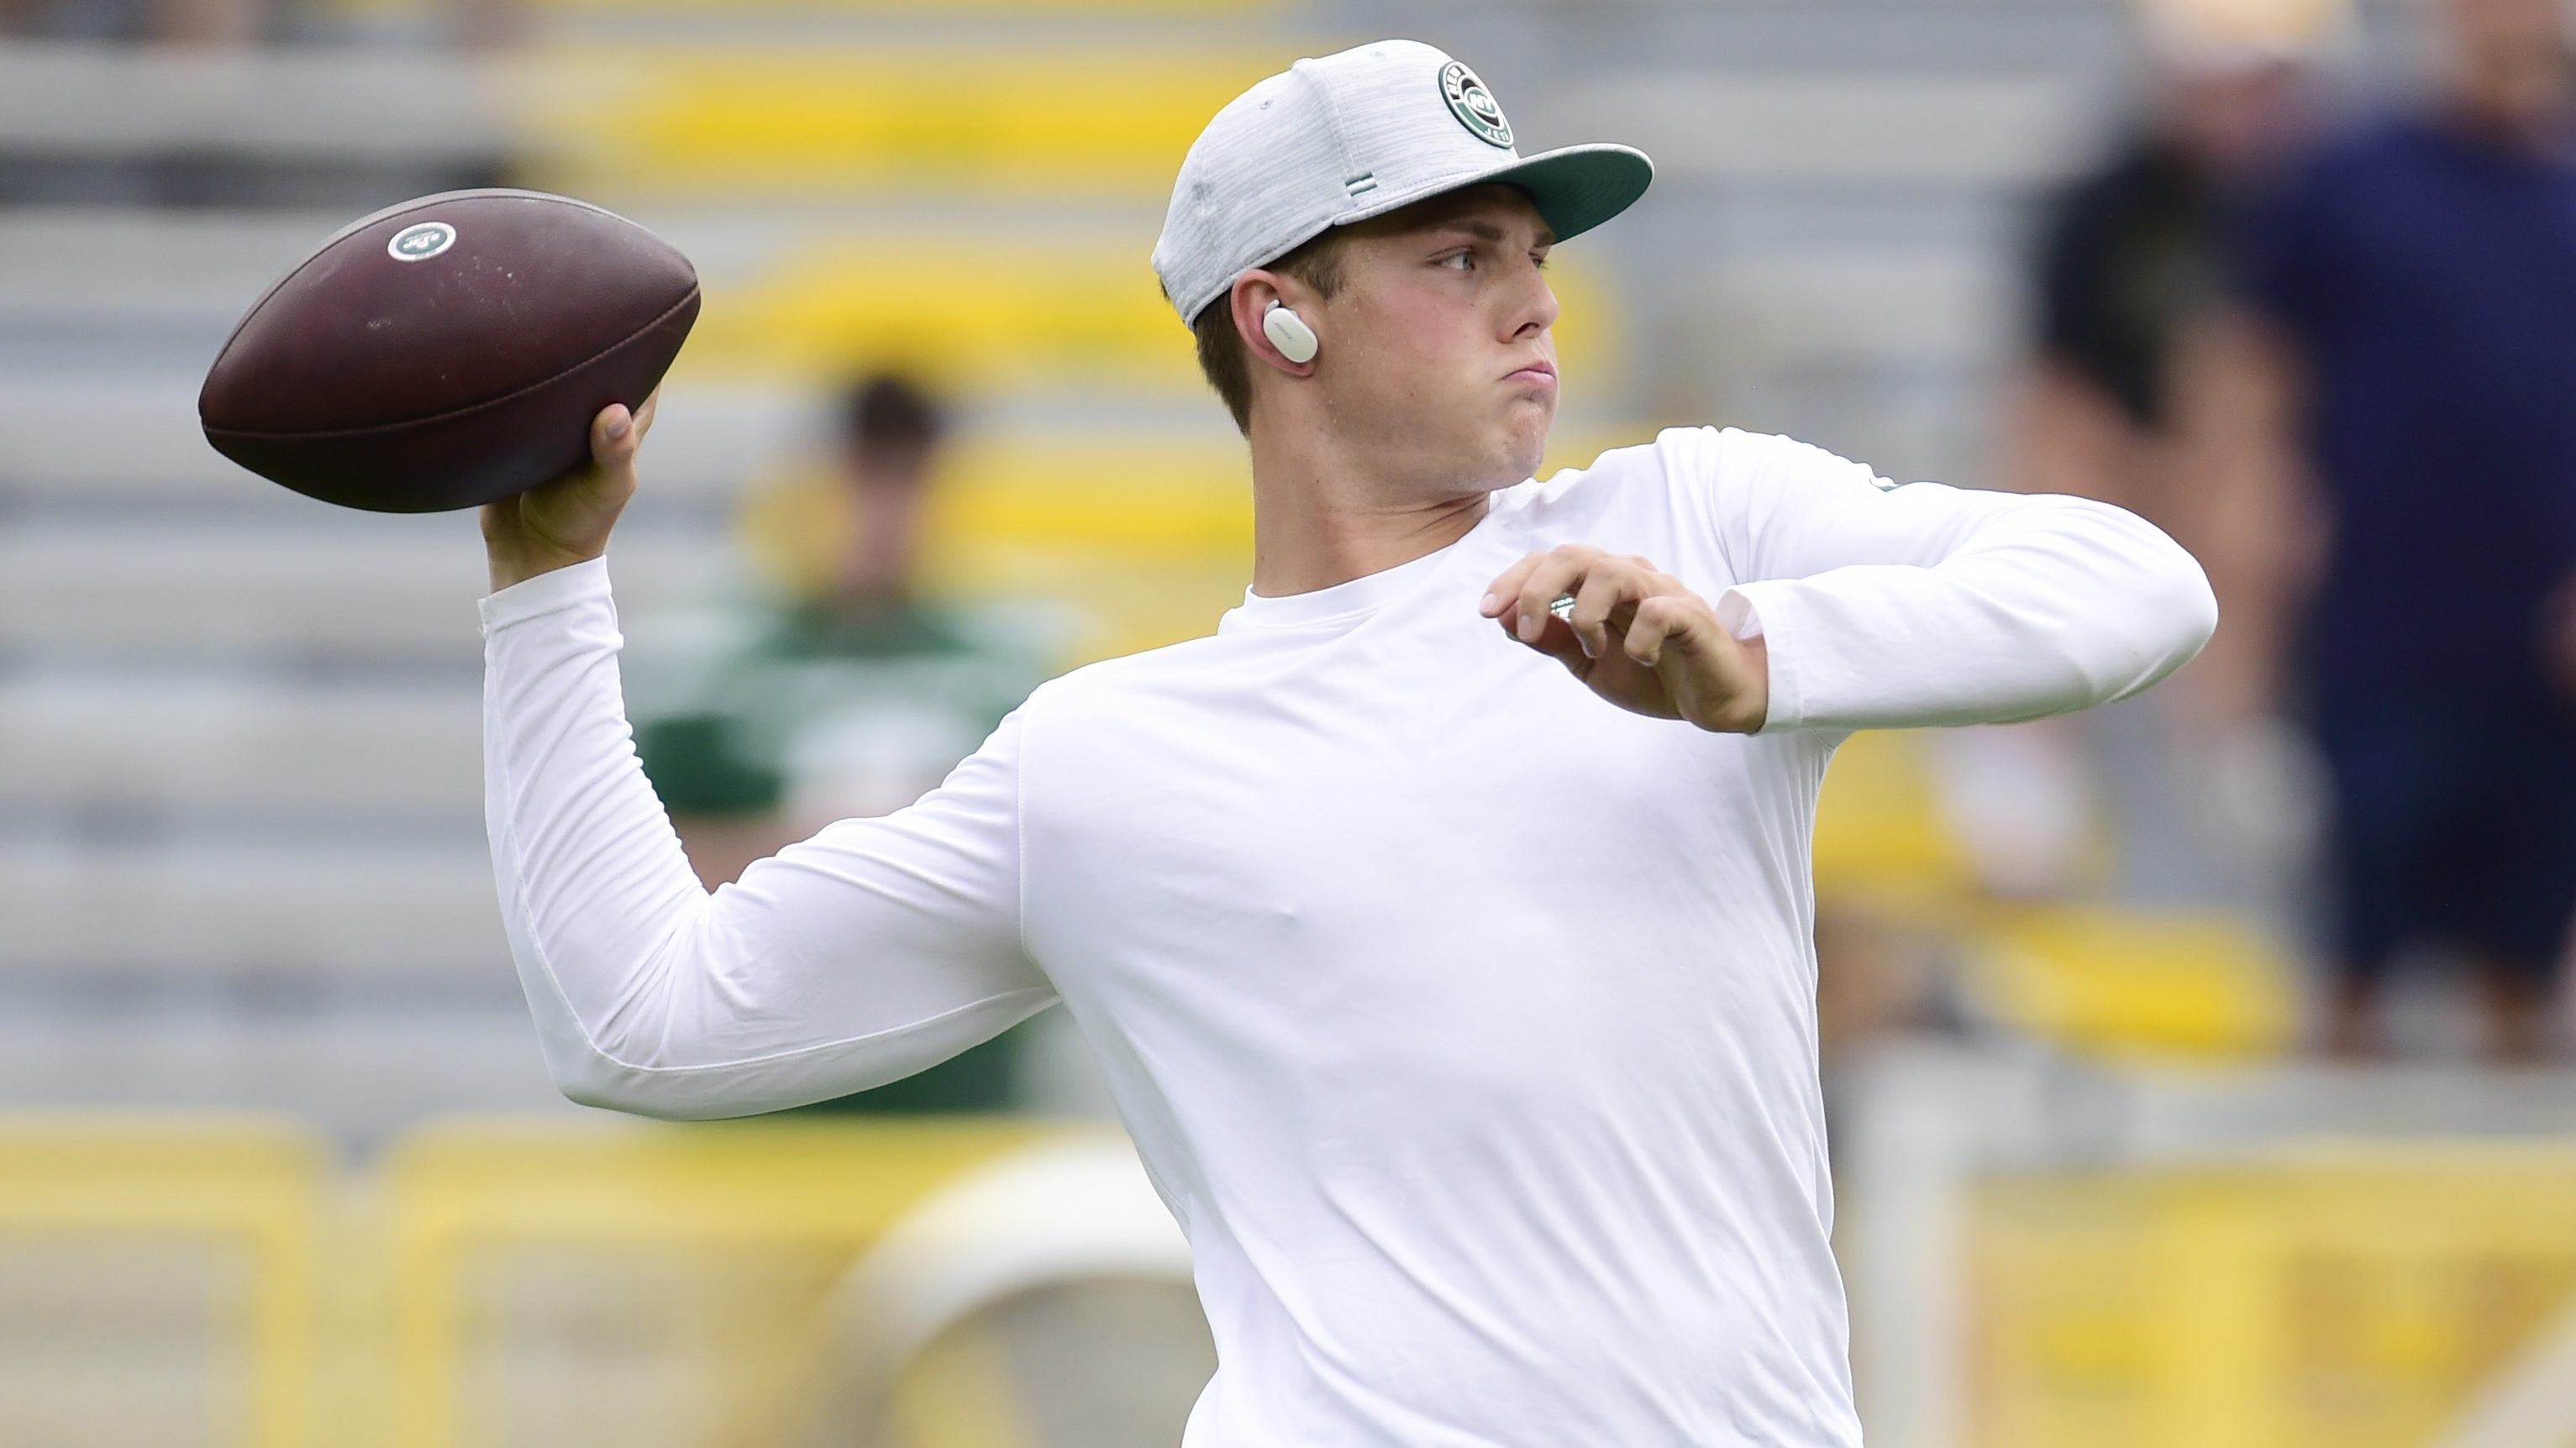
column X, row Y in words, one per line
column 851, row 694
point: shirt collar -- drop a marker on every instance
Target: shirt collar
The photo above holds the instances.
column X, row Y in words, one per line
column 1351, row 600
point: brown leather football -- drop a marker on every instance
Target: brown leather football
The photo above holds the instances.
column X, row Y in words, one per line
column 448, row 351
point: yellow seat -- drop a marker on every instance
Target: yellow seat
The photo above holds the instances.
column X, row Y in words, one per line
column 964, row 313
column 741, row 120
column 1881, row 839
column 2120, row 982
column 975, row 312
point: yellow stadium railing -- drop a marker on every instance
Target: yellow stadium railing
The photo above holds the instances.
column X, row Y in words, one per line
column 2338, row 1296
column 786, row 1204
column 250, row 1188
column 2352, row 1298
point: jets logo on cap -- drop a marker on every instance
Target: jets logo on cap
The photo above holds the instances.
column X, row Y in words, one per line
column 421, row 242
column 1474, row 106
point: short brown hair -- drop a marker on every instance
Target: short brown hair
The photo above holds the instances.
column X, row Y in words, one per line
column 1222, row 355
column 890, row 410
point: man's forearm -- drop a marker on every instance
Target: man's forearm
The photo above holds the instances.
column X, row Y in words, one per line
column 2056, row 605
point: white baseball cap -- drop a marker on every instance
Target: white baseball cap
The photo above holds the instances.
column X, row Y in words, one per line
column 1345, row 137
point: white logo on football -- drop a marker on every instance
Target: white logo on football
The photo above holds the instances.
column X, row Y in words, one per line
column 421, row 241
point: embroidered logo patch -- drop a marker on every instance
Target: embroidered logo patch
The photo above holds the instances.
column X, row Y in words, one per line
column 1474, row 106
column 421, row 241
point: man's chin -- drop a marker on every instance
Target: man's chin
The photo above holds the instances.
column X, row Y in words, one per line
column 1528, row 449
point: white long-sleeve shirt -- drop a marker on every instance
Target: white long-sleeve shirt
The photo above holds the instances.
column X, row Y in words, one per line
column 1465, row 1021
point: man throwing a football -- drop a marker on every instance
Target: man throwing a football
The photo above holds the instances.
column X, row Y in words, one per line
column 1442, row 923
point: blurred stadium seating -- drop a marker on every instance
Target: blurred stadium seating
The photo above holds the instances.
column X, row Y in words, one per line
column 241, row 857
column 202, row 669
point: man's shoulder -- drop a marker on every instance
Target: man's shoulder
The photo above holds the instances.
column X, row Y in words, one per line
column 1703, row 471
column 1670, row 453
column 1111, row 684
column 1711, row 456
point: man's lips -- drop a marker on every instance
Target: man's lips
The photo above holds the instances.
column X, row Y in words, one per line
column 1535, row 372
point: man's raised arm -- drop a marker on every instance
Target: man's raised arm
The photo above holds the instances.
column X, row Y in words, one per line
column 1889, row 607
column 874, row 950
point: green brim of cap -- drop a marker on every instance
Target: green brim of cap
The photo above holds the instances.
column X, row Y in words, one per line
column 1579, row 187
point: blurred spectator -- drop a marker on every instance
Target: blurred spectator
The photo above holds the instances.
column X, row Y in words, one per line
column 470, row 24
column 173, row 22
column 2131, row 252
column 852, row 697
column 2129, row 255
column 2390, row 513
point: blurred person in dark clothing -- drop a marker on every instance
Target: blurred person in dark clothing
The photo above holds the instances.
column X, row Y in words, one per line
column 2391, row 479
column 852, row 696
column 470, row 24
column 166, row 22
column 2132, row 252
column 2128, row 256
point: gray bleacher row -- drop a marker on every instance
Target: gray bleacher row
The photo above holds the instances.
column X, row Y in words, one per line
column 128, row 442
column 428, row 109
column 127, row 536
column 316, row 909
column 239, row 729
column 101, row 98
column 125, row 751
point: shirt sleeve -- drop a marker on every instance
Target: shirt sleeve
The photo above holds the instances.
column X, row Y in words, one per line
column 1893, row 607
column 876, row 949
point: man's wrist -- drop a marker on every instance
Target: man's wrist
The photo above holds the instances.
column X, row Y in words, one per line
column 518, row 566
column 540, row 594
column 1750, row 708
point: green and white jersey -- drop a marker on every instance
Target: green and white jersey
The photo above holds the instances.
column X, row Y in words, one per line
column 819, row 712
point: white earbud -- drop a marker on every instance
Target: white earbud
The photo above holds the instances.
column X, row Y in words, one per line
column 1289, row 333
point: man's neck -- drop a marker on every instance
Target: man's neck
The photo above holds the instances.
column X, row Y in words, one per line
column 1317, row 522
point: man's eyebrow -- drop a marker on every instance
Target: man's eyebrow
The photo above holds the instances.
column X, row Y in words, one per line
column 1483, row 230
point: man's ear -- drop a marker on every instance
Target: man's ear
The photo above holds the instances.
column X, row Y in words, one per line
column 1252, row 295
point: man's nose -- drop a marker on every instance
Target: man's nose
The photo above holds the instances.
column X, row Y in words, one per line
column 1537, row 310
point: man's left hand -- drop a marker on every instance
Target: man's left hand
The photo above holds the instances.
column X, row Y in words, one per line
column 1635, row 636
